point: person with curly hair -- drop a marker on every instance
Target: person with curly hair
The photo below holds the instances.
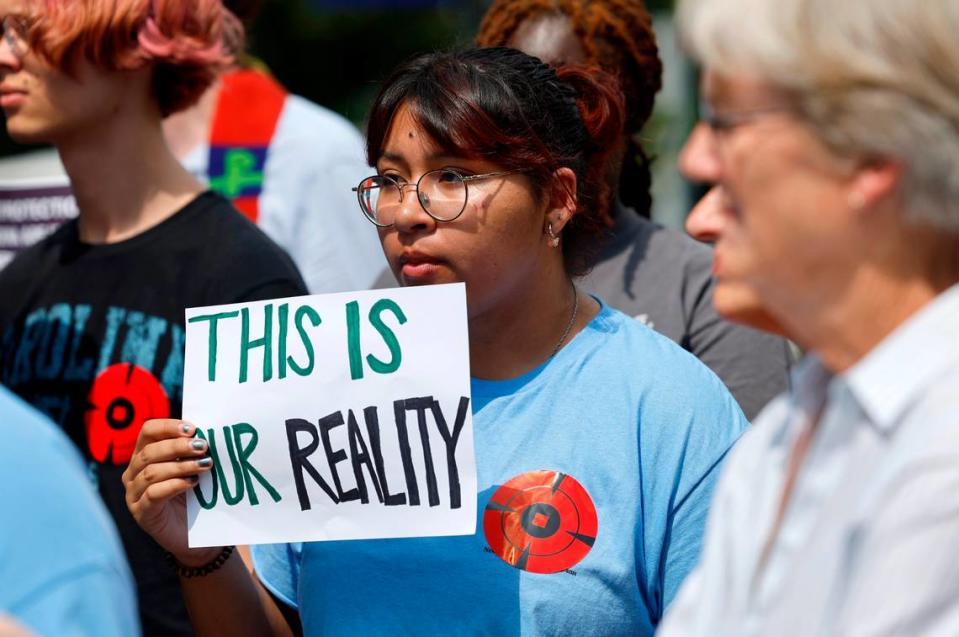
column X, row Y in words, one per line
column 657, row 275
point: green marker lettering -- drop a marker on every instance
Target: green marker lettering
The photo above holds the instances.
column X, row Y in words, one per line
column 305, row 311
column 211, row 355
column 266, row 342
column 244, row 453
column 353, row 342
column 396, row 354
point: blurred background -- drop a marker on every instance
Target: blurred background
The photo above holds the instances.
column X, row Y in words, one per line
column 335, row 52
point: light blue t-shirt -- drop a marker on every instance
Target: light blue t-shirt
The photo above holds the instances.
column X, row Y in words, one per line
column 597, row 465
column 62, row 568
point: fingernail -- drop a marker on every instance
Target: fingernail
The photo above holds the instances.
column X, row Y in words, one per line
column 199, row 444
column 193, row 479
column 204, row 462
column 186, row 427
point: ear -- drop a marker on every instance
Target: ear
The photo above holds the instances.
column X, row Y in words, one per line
column 873, row 182
column 562, row 202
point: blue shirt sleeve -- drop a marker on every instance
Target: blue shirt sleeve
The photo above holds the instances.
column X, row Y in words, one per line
column 691, row 422
column 278, row 567
column 686, row 532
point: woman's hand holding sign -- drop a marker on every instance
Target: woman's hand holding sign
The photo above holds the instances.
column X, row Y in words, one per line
column 165, row 464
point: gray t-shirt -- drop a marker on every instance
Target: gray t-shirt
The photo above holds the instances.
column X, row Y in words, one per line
column 663, row 278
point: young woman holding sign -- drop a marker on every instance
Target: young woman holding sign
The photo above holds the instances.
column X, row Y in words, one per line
column 597, row 441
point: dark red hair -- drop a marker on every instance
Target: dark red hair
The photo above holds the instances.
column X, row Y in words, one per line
column 509, row 108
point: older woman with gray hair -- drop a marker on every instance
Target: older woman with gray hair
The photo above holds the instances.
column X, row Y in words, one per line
column 831, row 133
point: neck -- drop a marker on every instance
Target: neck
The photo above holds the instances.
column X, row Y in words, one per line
column 875, row 299
column 124, row 177
column 188, row 129
column 523, row 331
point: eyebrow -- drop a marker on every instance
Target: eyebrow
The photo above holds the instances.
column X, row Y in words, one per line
column 400, row 159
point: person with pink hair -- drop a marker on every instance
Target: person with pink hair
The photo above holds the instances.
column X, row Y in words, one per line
column 91, row 323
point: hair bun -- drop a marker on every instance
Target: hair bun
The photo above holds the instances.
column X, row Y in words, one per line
column 600, row 102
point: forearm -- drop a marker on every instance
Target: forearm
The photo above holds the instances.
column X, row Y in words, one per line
column 230, row 601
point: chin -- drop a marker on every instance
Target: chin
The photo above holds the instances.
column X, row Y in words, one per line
column 24, row 134
column 739, row 304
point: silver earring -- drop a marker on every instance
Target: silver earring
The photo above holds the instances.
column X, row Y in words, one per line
column 553, row 239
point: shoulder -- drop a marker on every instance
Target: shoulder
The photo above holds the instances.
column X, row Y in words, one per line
column 317, row 153
column 25, row 428
column 667, row 382
column 667, row 248
column 24, row 267
column 67, row 531
column 675, row 251
column 232, row 234
column 308, row 126
column 31, row 440
column 686, row 417
column 656, row 361
column 236, row 254
column 658, row 274
column 930, row 435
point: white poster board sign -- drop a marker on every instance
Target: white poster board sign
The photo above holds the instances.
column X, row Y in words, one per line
column 332, row 417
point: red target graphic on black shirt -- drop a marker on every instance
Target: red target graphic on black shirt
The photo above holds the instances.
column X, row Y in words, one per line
column 541, row 522
column 122, row 398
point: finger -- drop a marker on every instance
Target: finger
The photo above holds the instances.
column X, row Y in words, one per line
column 163, row 471
column 164, row 428
column 166, row 451
column 160, row 438
column 160, row 493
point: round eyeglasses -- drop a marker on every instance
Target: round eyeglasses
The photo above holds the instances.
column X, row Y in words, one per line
column 15, row 32
column 442, row 193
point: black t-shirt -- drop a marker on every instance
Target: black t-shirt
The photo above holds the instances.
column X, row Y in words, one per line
column 93, row 335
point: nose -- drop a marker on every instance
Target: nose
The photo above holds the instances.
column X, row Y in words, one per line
column 700, row 163
column 704, row 222
column 411, row 216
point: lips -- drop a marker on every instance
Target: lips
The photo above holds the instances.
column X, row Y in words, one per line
column 10, row 97
column 416, row 267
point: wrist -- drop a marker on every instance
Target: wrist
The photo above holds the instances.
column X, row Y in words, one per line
column 195, row 558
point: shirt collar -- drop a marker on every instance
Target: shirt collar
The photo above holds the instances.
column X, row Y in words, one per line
column 809, row 384
column 907, row 361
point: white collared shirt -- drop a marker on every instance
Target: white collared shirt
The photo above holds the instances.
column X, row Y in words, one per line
column 869, row 541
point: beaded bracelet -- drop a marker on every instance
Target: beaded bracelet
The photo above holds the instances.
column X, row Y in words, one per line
column 206, row 569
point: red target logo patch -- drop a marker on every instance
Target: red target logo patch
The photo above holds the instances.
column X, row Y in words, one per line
column 122, row 398
column 541, row 522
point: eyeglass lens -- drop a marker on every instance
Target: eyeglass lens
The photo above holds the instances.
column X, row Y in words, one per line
column 441, row 193
column 15, row 35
